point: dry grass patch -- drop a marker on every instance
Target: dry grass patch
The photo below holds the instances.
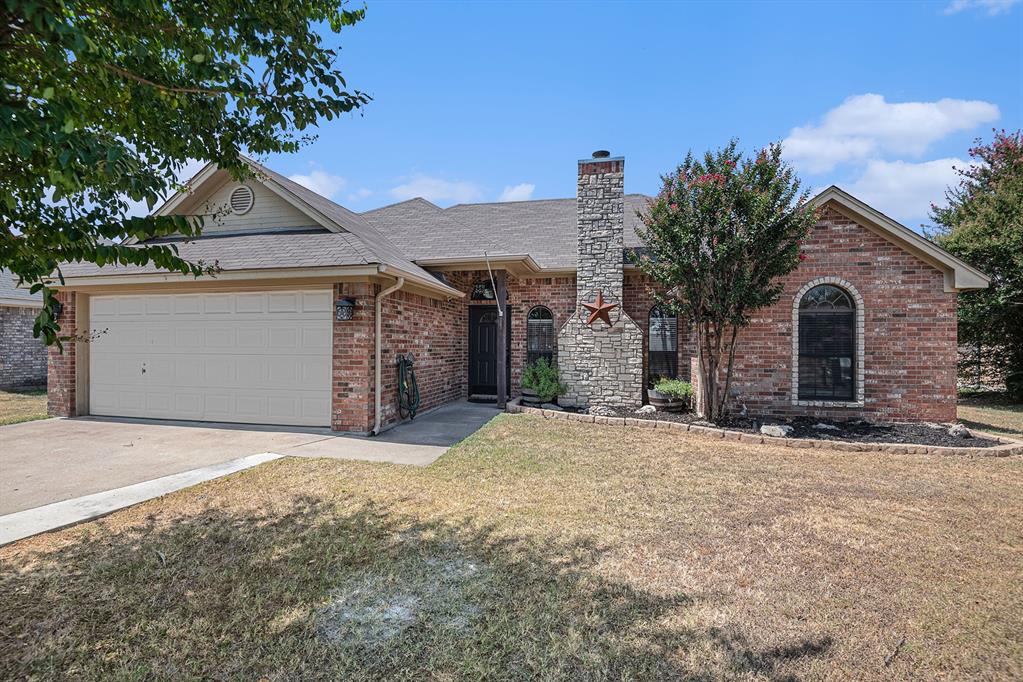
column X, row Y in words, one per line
column 992, row 412
column 22, row 405
column 541, row 549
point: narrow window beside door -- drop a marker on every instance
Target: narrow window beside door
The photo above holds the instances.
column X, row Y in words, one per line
column 539, row 334
column 662, row 355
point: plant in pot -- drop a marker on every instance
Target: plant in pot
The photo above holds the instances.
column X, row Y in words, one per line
column 671, row 395
column 541, row 382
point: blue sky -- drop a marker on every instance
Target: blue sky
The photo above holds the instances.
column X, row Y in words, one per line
column 484, row 101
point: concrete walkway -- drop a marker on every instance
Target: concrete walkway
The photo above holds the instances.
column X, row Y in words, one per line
column 54, row 460
column 29, row 522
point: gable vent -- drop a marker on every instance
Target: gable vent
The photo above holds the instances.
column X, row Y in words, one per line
column 241, row 199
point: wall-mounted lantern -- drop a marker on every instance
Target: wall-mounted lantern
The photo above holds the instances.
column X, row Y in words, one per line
column 344, row 309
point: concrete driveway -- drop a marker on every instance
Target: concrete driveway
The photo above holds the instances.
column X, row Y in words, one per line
column 53, row 460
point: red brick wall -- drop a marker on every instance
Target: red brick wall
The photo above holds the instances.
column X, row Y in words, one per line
column 909, row 331
column 434, row 331
column 61, row 368
column 429, row 328
column 352, row 361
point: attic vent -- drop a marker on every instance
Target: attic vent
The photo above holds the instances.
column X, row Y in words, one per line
column 241, row 200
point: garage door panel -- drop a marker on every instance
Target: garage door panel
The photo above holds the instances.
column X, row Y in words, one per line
column 257, row 357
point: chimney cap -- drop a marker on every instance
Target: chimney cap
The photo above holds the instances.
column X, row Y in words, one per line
column 601, row 154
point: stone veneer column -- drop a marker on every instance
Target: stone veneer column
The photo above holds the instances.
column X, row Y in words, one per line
column 602, row 365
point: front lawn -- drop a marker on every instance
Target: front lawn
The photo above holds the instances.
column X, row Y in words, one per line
column 22, row 405
column 541, row 549
column 992, row 412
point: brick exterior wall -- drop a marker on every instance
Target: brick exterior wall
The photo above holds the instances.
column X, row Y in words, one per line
column 62, row 368
column 351, row 400
column 909, row 332
column 436, row 333
column 22, row 356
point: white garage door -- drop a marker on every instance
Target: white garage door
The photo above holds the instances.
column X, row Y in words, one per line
column 253, row 357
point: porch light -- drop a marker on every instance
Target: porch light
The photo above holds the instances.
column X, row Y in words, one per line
column 344, row 309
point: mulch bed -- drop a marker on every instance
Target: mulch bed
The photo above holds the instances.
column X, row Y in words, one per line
column 856, row 431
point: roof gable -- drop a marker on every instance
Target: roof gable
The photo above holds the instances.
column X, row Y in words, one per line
column 959, row 276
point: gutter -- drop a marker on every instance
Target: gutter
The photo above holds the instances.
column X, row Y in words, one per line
column 399, row 283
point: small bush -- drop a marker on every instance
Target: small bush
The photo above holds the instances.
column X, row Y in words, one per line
column 544, row 378
column 675, row 388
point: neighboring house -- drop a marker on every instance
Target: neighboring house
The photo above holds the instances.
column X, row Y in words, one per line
column 287, row 332
column 22, row 356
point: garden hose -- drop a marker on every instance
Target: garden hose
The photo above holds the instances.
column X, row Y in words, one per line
column 408, row 388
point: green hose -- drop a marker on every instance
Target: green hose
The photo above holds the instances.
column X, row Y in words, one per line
column 408, row 388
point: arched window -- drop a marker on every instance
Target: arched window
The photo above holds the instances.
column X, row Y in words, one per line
column 662, row 351
column 827, row 344
column 539, row 334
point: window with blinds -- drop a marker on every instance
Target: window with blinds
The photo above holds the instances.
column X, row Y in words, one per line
column 827, row 344
column 540, row 342
column 662, row 351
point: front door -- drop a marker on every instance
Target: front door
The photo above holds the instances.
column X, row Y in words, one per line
column 483, row 349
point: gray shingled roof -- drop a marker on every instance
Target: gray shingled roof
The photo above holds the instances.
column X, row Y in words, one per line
column 10, row 293
column 379, row 248
column 284, row 249
column 424, row 231
column 545, row 229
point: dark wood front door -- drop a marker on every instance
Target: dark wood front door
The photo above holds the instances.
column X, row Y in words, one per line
column 483, row 349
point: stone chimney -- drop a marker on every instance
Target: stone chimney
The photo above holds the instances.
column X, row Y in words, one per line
column 600, row 213
column 600, row 348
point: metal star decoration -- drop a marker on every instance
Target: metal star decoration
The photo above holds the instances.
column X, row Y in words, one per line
column 599, row 309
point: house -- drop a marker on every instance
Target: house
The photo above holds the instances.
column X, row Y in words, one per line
column 313, row 302
column 22, row 356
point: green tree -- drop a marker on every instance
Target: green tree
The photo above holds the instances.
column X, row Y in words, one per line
column 718, row 237
column 983, row 225
column 104, row 101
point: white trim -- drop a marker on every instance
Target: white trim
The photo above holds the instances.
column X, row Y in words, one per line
column 858, row 401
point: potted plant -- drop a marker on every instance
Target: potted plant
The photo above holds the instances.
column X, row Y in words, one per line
column 671, row 395
column 541, row 382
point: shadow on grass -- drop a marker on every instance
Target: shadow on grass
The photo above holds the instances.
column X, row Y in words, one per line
column 220, row 595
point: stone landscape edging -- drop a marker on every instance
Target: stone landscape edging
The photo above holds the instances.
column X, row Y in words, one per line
column 1007, row 447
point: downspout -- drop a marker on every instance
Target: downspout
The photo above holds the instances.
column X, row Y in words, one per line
column 378, row 389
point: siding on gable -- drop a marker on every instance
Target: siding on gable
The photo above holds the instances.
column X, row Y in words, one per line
column 268, row 212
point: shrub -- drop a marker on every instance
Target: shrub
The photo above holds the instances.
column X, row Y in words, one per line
column 675, row 388
column 544, row 378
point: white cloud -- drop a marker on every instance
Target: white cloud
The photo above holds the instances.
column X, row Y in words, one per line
column 865, row 127
column 992, row 7
column 520, row 192
column 905, row 191
column 321, row 182
column 436, row 190
column 359, row 194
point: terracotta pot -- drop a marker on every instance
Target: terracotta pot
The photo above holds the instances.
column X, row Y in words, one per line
column 665, row 403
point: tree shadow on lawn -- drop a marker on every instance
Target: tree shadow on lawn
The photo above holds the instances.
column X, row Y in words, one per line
column 329, row 591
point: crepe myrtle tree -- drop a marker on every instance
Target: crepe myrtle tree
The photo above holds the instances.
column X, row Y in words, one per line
column 982, row 223
column 718, row 237
column 104, row 101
